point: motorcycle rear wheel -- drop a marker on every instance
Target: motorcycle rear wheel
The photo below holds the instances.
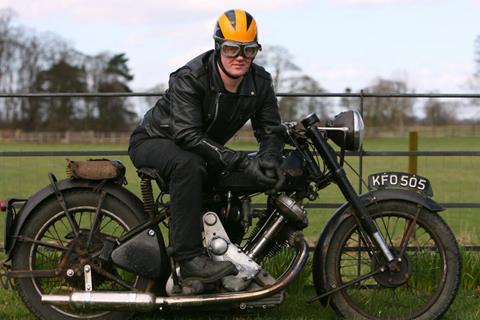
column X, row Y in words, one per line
column 429, row 274
column 49, row 224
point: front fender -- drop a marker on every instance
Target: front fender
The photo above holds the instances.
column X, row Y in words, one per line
column 128, row 198
column 343, row 212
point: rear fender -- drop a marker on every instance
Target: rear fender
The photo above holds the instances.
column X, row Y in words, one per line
column 115, row 190
column 344, row 212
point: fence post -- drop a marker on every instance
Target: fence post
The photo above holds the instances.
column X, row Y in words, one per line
column 360, row 157
column 412, row 146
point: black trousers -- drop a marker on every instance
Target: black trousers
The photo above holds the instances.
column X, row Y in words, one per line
column 187, row 176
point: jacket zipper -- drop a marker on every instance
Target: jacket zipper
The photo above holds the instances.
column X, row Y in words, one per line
column 216, row 111
column 211, row 146
column 216, row 150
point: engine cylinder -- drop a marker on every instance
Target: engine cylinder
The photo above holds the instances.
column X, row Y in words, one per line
column 290, row 209
column 262, row 241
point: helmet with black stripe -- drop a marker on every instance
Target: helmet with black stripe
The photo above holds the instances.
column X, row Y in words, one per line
column 235, row 25
column 235, row 30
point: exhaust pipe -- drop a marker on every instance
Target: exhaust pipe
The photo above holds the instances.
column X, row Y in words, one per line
column 133, row 301
column 126, row 301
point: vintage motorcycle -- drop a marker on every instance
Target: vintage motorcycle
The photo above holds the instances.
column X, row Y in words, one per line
column 87, row 248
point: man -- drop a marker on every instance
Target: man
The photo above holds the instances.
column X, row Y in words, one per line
column 183, row 135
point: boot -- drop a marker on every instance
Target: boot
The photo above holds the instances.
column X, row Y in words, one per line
column 204, row 269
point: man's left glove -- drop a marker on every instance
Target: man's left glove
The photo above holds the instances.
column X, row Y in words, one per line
column 271, row 166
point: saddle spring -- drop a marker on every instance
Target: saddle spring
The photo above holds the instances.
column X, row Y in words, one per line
column 147, row 196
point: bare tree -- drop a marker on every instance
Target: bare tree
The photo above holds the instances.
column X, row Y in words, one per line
column 7, row 53
column 348, row 103
column 279, row 62
column 477, row 58
column 151, row 100
column 293, row 107
column 388, row 111
column 32, row 62
column 288, row 77
column 474, row 81
column 438, row 113
column 23, row 56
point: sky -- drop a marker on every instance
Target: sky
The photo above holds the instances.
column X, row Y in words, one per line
column 341, row 43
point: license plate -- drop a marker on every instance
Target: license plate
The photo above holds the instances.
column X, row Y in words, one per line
column 400, row 180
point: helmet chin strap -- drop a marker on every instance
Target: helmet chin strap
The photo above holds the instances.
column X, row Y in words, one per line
column 219, row 62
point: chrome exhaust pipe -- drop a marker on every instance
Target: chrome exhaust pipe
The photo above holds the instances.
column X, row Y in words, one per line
column 134, row 301
column 127, row 301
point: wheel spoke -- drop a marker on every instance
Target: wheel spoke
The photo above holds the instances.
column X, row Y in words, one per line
column 53, row 249
column 411, row 289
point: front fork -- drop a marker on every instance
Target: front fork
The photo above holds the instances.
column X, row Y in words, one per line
column 366, row 224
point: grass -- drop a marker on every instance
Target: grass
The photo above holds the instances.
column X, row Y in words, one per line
column 454, row 179
column 466, row 307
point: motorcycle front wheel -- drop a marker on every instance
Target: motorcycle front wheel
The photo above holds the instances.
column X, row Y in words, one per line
column 428, row 258
column 48, row 243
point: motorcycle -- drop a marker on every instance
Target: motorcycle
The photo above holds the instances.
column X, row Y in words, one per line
column 87, row 248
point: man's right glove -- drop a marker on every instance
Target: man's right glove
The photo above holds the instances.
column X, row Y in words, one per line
column 251, row 166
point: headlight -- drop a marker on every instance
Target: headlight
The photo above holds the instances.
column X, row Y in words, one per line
column 350, row 131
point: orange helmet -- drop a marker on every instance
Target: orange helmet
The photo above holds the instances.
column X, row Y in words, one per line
column 235, row 25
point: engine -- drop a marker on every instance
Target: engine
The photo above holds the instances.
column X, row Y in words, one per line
column 223, row 234
column 275, row 228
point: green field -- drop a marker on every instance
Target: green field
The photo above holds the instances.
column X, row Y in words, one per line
column 454, row 179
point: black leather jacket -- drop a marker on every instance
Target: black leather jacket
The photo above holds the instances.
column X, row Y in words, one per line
column 201, row 116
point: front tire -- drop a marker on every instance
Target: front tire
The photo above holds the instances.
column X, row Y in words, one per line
column 429, row 274
column 49, row 224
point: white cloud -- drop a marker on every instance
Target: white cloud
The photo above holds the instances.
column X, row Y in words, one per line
column 140, row 11
column 142, row 23
column 373, row 2
column 448, row 77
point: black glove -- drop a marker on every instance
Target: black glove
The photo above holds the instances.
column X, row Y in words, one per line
column 271, row 166
column 253, row 169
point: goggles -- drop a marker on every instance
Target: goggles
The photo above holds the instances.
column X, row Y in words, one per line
column 232, row 49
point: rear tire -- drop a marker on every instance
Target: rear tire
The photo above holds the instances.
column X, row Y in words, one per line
column 48, row 223
column 430, row 267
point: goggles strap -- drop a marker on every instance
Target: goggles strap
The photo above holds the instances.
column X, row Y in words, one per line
column 219, row 62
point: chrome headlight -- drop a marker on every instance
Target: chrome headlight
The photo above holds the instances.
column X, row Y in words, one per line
column 347, row 130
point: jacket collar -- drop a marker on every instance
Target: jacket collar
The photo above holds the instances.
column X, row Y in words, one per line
column 247, row 87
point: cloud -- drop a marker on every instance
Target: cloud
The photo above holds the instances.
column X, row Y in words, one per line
column 372, row 2
column 136, row 23
column 447, row 77
column 140, row 11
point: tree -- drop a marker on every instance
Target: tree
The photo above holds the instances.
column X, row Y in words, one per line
column 348, row 103
column 151, row 100
column 293, row 107
column 23, row 56
column 6, row 58
column 477, row 58
column 388, row 111
column 115, row 113
column 474, row 82
column 60, row 112
column 287, row 77
column 438, row 113
column 279, row 62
